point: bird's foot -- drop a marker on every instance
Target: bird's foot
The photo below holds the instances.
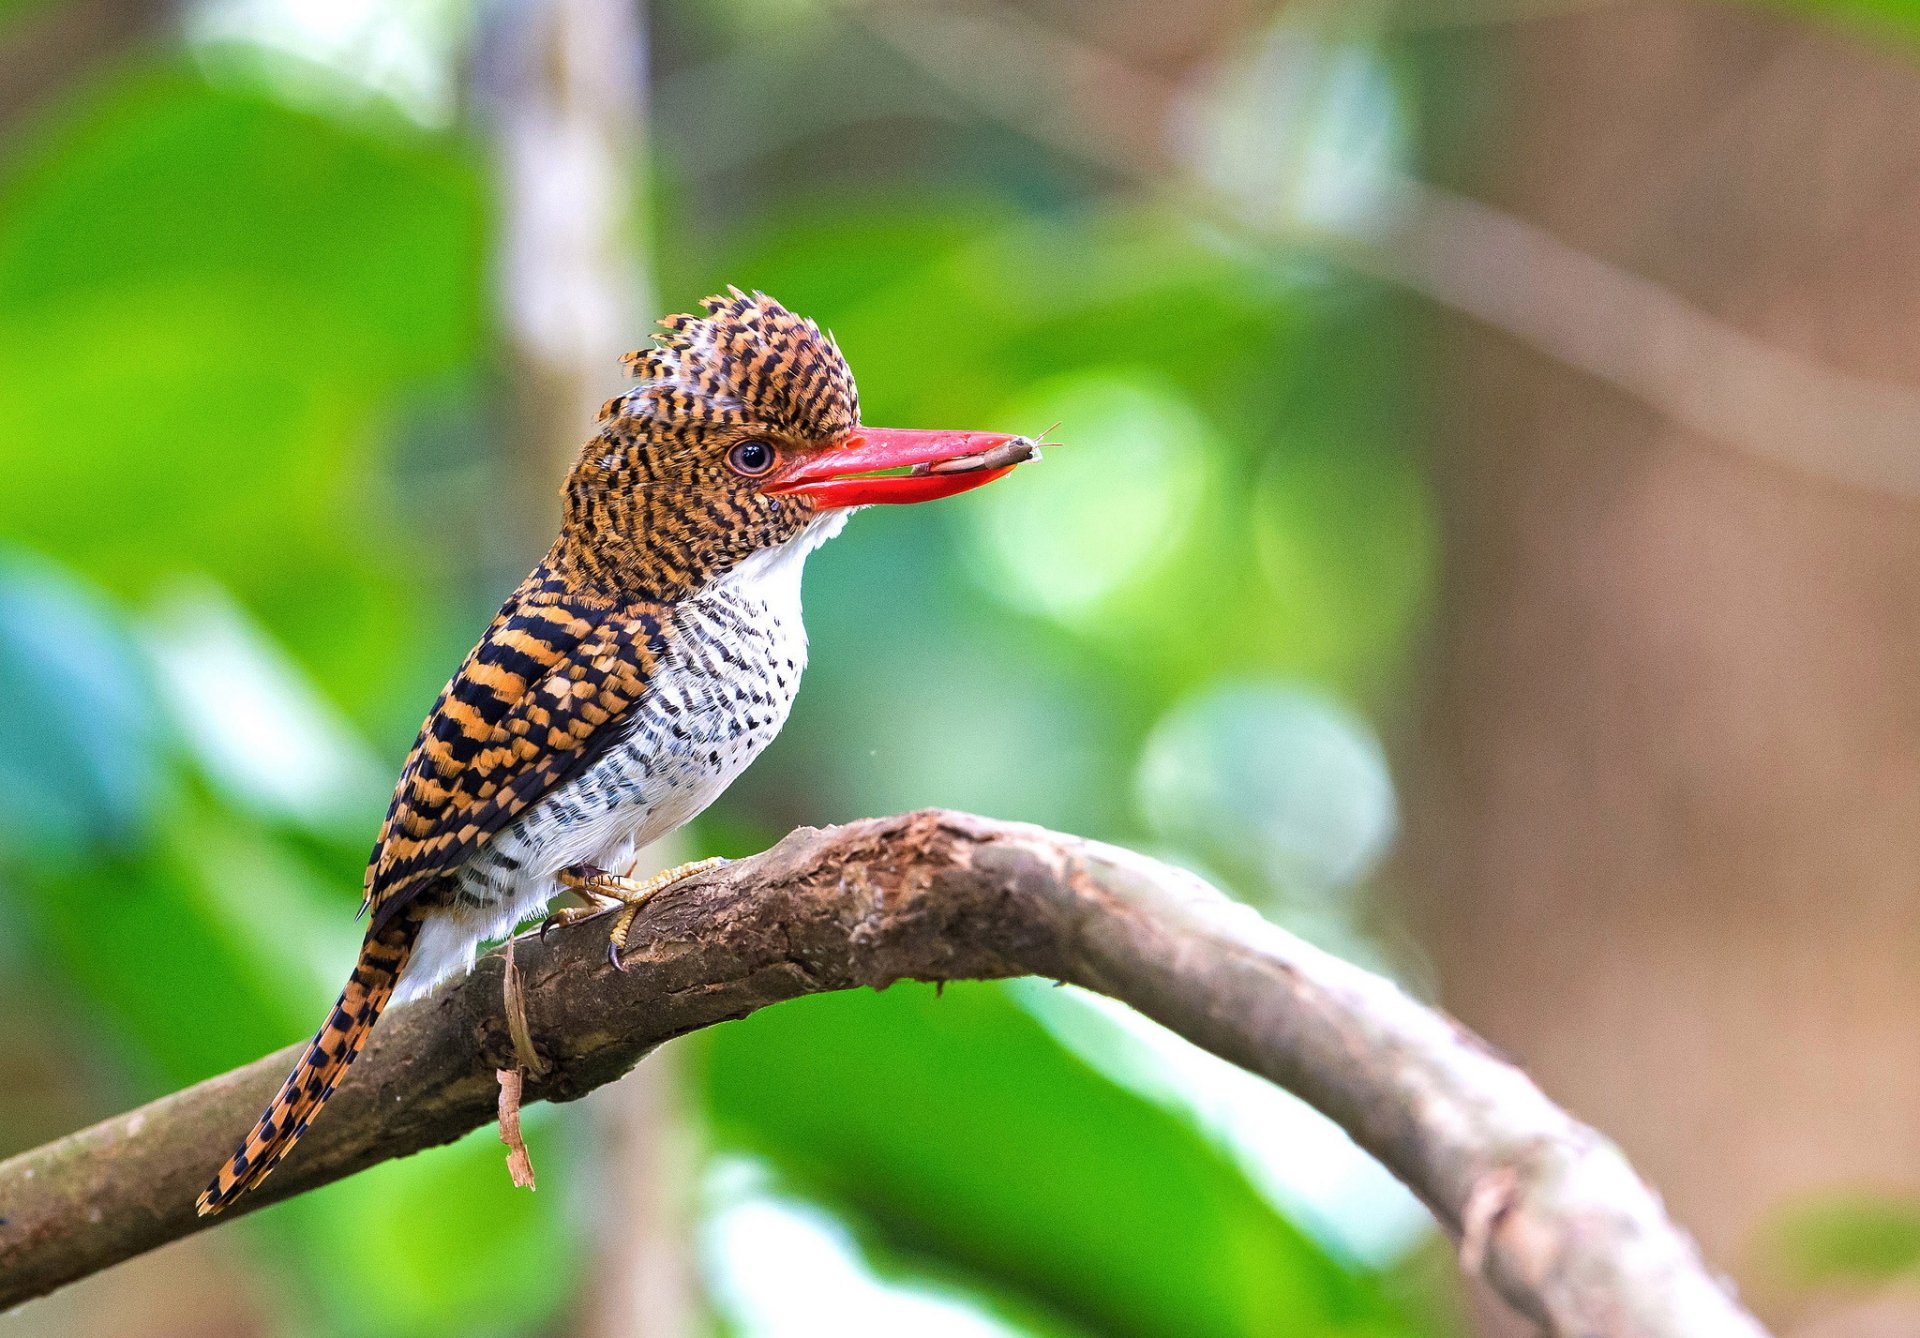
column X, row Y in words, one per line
column 568, row 915
column 609, row 893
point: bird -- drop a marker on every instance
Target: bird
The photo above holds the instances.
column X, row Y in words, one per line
column 634, row 673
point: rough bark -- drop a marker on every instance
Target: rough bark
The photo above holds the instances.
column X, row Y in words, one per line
column 1545, row 1208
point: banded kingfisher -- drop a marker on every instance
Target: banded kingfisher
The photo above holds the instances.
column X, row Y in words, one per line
column 638, row 669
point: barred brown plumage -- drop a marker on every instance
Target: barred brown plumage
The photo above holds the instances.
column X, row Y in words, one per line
column 382, row 958
column 640, row 666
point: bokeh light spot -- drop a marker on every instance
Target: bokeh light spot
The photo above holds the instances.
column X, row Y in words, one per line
column 1106, row 508
column 1278, row 785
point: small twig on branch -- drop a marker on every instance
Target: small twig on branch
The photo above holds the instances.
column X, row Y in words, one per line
column 1576, row 1241
column 513, row 1002
column 512, row 1080
column 519, row 1161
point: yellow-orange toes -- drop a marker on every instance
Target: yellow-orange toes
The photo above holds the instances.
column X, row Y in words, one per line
column 610, row 893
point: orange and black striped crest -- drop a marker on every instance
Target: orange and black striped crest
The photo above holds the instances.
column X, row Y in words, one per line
column 746, row 361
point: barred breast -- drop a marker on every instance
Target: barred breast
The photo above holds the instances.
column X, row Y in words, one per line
column 718, row 699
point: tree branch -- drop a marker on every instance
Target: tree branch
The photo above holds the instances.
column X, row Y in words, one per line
column 1545, row 1208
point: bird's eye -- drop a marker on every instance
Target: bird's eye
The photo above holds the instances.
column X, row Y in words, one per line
column 751, row 458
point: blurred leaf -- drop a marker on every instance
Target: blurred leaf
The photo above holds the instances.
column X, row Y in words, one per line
column 81, row 765
column 1280, row 786
column 965, row 1134
column 1303, row 1163
column 260, row 731
column 1106, row 508
column 1344, row 523
column 441, row 1243
column 1303, row 127
column 779, row 1266
column 370, row 63
column 974, row 709
column 1858, row 1239
column 214, row 949
column 162, row 181
column 196, row 358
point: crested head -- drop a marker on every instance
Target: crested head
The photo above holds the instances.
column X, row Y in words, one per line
column 665, row 496
column 747, row 362
column 742, row 432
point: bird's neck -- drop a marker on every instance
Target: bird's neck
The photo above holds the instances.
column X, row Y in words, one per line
column 626, row 544
column 625, row 549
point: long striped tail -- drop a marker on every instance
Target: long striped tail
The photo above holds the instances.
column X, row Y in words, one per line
column 382, row 957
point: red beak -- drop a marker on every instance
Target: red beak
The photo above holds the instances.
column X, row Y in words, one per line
column 882, row 464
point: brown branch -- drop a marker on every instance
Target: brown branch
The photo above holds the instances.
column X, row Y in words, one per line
column 1546, row 1209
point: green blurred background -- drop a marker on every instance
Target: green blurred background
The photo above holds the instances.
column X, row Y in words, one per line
column 1416, row 563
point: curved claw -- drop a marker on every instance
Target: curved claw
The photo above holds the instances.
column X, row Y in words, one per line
column 613, row 957
column 559, row 919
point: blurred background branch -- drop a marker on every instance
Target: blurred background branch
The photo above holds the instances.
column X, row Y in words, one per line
column 562, row 86
column 1543, row 1206
column 51, row 48
column 1705, row 374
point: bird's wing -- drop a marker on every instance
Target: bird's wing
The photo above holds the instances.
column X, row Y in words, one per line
column 536, row 702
